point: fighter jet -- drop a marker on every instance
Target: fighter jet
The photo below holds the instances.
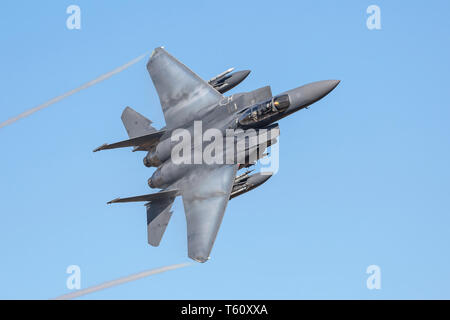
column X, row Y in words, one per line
column 189, row 103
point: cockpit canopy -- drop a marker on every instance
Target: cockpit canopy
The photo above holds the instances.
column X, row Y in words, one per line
column 264, row 110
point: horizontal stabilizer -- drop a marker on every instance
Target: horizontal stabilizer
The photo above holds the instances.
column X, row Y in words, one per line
column 141, row 142
column 148, row 197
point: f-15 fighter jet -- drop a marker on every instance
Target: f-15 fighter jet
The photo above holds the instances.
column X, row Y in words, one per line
column 205, row 186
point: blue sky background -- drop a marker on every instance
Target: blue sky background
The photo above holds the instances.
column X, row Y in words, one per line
column 364, row 175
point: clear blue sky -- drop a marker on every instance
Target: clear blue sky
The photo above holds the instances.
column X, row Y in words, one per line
column 364, row 175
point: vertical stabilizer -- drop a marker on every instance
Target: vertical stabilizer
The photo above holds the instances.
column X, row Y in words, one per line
column 136, row 124
column 158, row 216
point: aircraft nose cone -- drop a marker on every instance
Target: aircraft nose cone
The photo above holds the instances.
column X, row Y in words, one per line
column 306, row 95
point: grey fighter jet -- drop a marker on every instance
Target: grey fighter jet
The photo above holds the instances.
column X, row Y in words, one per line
column 205, row 187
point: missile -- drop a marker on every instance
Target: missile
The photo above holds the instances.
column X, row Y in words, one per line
column 243, row 176
column 220, row 75
column 244, row 183
column 226, row 81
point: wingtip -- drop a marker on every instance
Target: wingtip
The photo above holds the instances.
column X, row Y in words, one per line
column 100, row 148
column 113, row 201
column 160, row 48
column 201, row 259
column 154, row 55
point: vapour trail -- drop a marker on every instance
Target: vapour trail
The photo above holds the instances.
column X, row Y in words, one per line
column 119, row 281
column 71, row 92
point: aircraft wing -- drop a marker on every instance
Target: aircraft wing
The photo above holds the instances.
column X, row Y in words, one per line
column 184, row 96
column 148, row 197
column 141, row 143
column 206, row 192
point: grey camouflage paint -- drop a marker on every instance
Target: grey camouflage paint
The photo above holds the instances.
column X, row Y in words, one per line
column 205, row 189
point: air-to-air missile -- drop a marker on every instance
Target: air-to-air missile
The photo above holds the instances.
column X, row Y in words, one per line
column 246, row 182
column 226, row 80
